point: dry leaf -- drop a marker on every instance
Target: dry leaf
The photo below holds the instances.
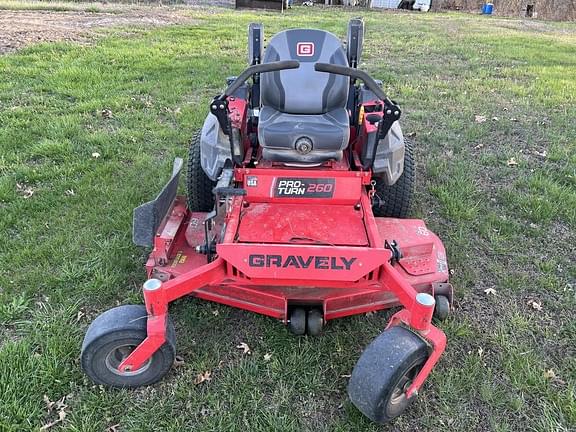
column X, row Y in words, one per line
column 60, row 406
column 491, row 291
column 244, row 346
column 48, row 403
column 267, row 356
column 178, row 361
column 551, row 375
column 24, row 190
column 479, row 119
column 511, row 162
column 201, row 377
column 79, row 315
column 541, row 154
column 95, row 155
column 535, row 305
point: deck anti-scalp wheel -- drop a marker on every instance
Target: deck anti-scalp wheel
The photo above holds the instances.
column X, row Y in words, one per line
column 384, row 372
column 442, row 308
column 112, row 336
column 297, row 322
column 314, row 323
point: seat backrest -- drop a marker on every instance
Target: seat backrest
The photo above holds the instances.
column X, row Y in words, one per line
column 303, row 90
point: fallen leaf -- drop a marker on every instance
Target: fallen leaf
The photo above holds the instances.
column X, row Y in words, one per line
column 511, row 162
column 61, row 417
column 24, row 190
column 202, row 377
column 551, row 375
column 541, row 154
column 48, row 403
column 95, row 155
column 535, row 305
column 106, row 113
column 491, row 291
column 479, row 119
column 59, row 406
column 79, row 315
column 178, row 361
column 244, row 346
column 267, row 356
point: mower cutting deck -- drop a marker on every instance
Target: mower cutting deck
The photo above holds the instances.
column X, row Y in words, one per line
column 292, row 232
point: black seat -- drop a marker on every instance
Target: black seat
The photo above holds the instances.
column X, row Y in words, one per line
column 303, row 119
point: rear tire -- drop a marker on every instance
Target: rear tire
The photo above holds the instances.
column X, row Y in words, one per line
column 384, row 372
column 396, row 199
column 198, row 184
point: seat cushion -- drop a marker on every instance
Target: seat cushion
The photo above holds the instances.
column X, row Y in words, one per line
column 278, row 132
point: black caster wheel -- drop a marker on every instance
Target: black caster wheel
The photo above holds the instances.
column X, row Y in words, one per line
column 112, row 336
column 442, row 308
column 384, row 372
column 297, row 322
column 315, row 322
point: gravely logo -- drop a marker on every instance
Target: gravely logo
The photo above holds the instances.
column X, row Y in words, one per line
column 299, row 262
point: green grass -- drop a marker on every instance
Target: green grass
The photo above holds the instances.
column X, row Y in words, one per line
column 68, row 256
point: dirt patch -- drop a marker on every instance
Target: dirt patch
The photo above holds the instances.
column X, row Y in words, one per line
column 22, row 28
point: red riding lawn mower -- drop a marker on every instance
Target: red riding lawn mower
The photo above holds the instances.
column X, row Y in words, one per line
column 298, row 188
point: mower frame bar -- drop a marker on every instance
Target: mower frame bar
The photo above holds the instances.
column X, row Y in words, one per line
column 258, row 69
column 354, row 73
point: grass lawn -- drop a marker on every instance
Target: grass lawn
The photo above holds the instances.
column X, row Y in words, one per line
column 65, row 226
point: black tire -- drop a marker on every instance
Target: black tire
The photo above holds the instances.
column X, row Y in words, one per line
column 395, row 200
column 385, row 369
column 314, row 323
column 112, row 336
column 442, row 308
column 198, row 184
column 297, row 323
